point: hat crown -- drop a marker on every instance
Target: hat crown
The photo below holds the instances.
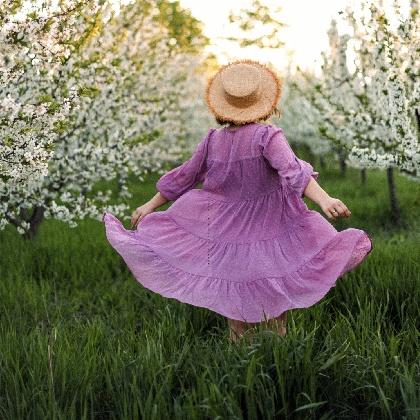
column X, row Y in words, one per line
column 240, row 80
column 243, row 91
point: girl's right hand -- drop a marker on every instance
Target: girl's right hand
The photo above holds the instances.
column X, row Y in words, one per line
column 140, row 213
column 334, row 208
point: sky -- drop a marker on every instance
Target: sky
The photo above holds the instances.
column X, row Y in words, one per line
column 305, row 37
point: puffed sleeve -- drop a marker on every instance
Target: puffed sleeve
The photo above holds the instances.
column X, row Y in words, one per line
column 181, row 179
column 276, row 149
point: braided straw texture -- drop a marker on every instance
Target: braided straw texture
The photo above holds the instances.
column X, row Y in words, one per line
column 270, row 91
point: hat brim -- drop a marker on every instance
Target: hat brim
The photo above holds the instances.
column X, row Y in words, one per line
column 263, row 108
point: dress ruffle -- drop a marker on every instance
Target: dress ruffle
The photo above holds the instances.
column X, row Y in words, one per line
column 245, row 245
column 250, row 300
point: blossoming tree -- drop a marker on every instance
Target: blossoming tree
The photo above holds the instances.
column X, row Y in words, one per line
column 121, row 72
column 34, row 97
column 300, row 119
column 372, row 113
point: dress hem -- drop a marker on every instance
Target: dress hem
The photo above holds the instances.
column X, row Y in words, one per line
column 175, row 286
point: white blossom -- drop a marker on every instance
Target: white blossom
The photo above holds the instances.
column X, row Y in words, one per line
column 122, row 103
column 371, row 113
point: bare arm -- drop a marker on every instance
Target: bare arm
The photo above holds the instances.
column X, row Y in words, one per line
column 332, row 207
column 157, row 200
column 177, row 181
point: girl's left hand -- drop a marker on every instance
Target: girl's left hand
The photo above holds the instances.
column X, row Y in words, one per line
column 140, row 213
column 334, row 208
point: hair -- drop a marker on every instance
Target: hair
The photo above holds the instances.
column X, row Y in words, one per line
column 222, row 121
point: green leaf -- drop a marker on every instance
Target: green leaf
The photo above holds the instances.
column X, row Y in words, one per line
column 310, row 406
column 90, row 91
column 45, row 98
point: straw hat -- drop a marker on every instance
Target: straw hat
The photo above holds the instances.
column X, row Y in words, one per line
column 243, row 91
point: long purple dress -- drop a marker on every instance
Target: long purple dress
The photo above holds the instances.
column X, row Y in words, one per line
column 245, row 245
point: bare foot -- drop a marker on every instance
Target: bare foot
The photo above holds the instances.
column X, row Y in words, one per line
column 282, row 331
column 239, row 329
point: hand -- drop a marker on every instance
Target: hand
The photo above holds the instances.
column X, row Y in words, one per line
column 334, row 208
column 140, row 213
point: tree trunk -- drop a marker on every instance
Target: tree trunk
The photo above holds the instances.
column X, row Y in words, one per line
column 395, row 207
column 363, row 176
column 322, row 162
column 36, row 218
column 342, row 160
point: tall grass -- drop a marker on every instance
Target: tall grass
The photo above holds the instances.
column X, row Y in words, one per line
column 79, row 338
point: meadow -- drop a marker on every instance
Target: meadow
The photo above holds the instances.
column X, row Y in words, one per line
column 81, row 339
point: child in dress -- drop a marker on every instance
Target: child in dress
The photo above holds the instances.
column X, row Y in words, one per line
column 245, row 245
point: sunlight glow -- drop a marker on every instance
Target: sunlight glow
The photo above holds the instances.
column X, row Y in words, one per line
column 305, row 36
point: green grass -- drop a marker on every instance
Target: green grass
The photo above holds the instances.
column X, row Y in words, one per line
column 79, row 338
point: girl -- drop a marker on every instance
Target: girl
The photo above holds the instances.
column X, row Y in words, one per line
column 245, row 245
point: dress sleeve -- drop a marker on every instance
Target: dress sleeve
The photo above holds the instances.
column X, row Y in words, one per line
column 276, row 149
column 181, row 179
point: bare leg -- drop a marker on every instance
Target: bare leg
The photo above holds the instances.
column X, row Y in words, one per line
column 237, row 329
column 278, row 324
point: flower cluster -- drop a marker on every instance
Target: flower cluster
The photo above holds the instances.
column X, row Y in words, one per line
column 371, row 114
column 35, row 102
column 119, row 100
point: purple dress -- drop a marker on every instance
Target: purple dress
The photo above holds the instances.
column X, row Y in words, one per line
column 245, row 245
